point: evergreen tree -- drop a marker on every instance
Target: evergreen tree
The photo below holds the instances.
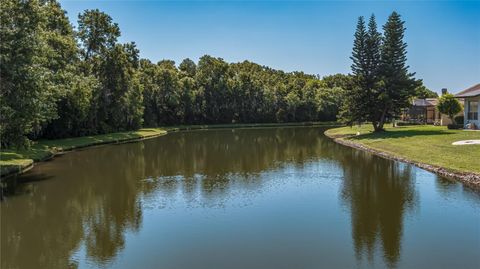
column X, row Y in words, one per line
column 356, row 106
column 372, row 77
column 381, row 85
column 398, row 84
column 359, row 65
column 373, row 55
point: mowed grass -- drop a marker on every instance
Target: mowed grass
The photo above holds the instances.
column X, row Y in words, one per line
column 13, row 160
column 426, row 144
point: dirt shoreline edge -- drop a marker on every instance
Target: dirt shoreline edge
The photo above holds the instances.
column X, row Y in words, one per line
column 470, row 179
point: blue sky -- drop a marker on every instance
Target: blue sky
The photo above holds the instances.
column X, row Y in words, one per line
column 313, row 36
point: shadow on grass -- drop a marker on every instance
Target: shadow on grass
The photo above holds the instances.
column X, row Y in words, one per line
column 400, row 134
column 44, row 149
column 69, row 143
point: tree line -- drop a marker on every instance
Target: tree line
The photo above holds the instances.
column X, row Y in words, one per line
column 57, row 81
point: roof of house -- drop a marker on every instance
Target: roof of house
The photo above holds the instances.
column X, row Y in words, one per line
column 425, row 102
column 470, row 92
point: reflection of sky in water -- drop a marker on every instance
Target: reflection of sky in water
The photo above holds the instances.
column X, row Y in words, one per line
column 309, row 200
column 261, row 198
column 231, row 189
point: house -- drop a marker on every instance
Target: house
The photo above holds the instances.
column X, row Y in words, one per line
column 471, row 97
column 424, row 111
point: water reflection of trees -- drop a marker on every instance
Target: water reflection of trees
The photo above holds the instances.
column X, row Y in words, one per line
column 83, row 202
column 229, row 151
column 379, row 193
column 94, row 197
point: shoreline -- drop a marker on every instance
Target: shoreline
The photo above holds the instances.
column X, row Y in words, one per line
column 14, row 170
column 468, row 178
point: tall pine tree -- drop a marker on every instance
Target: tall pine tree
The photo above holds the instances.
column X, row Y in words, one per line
column 398, row 84
column 362, row 99
column 382, row 85
column 373, row 76
column 354, row 109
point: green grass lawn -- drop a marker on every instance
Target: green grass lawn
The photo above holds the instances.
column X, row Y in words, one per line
column 426, row 144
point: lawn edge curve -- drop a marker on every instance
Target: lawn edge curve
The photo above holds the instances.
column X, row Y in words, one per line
column 468, row 178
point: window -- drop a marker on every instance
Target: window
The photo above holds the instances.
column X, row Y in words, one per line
column 472, row 110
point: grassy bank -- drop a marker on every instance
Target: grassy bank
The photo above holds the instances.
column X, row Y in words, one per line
column 431, row 145
column 16, row 160
column 13, row 161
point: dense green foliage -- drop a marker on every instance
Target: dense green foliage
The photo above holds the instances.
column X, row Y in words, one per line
column 382, row 85
column 423, row 92
column 38, row 67
column 449, row 105
column 57, row 81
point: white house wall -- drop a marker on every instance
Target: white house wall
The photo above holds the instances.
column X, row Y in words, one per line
column 467, row 108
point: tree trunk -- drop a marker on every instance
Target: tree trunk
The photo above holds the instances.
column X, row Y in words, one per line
column 452, row 118
column 382, row 121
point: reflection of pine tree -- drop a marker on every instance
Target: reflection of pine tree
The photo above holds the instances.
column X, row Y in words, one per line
column 379, row 193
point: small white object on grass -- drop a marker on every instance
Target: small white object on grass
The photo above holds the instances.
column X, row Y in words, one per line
column 358, row 133
column 466, row 142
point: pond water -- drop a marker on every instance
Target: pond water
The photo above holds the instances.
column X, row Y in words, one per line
column 242, row 198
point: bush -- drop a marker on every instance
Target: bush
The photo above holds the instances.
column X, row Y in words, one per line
column 459, row 119
column 455, row 126
column 449, row 105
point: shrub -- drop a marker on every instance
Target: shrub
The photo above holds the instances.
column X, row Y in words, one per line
column 455, row 126
column 449, row 105
column 459, row 119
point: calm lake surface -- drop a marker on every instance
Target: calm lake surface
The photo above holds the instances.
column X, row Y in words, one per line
column 243, row 198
